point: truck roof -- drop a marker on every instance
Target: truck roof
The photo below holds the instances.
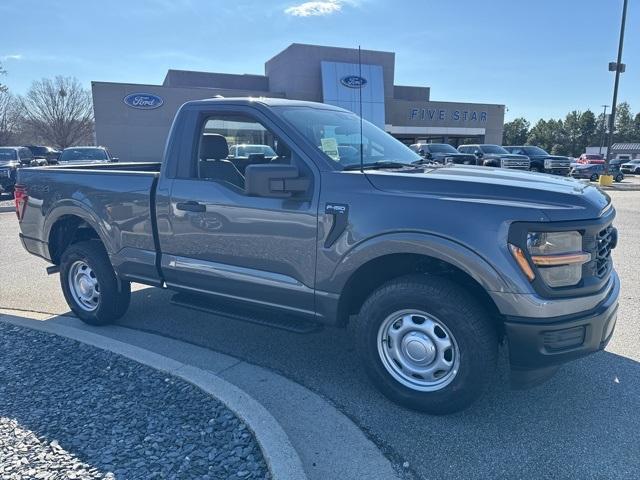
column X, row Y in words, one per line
column 267, row 101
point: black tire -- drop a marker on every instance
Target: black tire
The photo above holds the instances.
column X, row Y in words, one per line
column 467, row 320
column 619, row 178
column 114, row 295
column 594, row 177
column 535, row 169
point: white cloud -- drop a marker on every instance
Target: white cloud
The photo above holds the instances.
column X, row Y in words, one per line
column 315, row 8
column 16, row 56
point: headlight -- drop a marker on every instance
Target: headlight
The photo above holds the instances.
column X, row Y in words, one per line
column 558, row 256
column 548, row 163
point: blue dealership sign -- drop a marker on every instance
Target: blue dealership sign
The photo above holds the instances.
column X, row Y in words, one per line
column 353, row 81
column 143, row 101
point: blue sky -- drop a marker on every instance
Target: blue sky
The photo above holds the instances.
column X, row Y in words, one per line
column 541, row 58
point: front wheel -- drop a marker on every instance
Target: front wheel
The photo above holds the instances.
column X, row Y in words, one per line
column 90, row 285
column 427, row 344
column 535, row 169
column 594, row 177
column 619, row 178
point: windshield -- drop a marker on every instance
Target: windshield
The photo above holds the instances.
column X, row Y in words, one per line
column 7, row 154
column 74, row 154
column 337, row 134
column 490, row 149
column 441, row 148
column 38, row 150
column 535, row 151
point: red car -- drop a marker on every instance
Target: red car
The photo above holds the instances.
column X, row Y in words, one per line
column 590, row 158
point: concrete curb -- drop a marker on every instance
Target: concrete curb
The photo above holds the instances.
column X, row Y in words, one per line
column 282, row 459
column 622, row 188
column 7, row 209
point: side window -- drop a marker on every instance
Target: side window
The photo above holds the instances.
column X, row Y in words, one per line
column 228, row 144
column 25, row 155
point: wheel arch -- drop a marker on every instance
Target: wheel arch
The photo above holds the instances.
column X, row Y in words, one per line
column 69, row 225
column 392, row 256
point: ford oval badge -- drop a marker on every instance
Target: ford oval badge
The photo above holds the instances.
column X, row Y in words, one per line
column 143, row 101
column 353, row 81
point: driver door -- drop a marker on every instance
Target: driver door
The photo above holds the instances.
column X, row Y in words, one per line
column 221, row 241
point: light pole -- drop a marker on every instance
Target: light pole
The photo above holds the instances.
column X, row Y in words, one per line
column 617, row 67
column 604, row 128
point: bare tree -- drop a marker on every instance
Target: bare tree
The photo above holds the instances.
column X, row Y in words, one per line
column 3, row 88
column 60, row 110
column 9, row 117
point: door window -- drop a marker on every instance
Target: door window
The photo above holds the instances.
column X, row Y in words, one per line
column 229, row 143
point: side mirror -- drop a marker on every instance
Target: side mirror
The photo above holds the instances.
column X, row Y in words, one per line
column 479, row 154
column 274, row 180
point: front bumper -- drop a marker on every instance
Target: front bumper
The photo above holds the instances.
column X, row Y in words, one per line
column 558, row 171
column 538, row 346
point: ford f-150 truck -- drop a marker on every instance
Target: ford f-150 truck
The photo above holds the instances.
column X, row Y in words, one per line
column 541, row 161
column 490, row 155
column 434, row 266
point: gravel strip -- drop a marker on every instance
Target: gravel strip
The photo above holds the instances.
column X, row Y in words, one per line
column 72, row 411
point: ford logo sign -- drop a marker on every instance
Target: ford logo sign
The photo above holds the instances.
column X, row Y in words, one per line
column 353, row 81
column 143, row 101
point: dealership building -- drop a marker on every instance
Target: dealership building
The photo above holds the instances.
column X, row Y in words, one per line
column 133, row 120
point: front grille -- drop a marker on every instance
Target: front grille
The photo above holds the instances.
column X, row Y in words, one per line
column 517, row 164
column 558, row 164
column 604, row 244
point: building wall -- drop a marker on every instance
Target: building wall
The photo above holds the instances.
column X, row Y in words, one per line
column 297, row 74
column 136, row 135
column 189, row 79
column 446, row 118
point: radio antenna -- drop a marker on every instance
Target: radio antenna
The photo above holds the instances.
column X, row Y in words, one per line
column 360, row 101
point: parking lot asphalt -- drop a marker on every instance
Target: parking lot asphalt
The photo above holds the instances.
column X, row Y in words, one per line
column 583, row 423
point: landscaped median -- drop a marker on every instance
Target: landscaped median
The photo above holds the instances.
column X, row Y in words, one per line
column 71, row 410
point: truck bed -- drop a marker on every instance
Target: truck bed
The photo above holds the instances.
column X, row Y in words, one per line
column 117, row 200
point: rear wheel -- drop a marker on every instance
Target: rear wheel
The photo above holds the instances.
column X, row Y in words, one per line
column 427, row 344
column 594, row 177
column 90, row 285
column 619, row 178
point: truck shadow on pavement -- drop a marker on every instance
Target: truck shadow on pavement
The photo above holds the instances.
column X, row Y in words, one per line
column 583, row 423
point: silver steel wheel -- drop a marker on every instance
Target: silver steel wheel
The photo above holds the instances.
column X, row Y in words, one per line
column 418, row 350
column 84, row 286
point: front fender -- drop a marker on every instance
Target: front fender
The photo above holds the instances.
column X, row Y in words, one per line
column 440, row 248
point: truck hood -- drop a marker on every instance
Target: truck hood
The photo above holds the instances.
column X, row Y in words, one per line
column 556, row 198
column 505, row 155
column 552, row 157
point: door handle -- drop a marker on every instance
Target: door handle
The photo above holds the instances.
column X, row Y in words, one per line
column 191, row 206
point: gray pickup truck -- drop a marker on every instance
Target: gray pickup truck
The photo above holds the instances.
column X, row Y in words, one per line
column 434, row 267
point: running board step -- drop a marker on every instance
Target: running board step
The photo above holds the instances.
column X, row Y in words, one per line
column 236, row 311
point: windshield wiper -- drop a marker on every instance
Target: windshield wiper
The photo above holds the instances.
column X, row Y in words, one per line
column 377, row 165
column 422, row 161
